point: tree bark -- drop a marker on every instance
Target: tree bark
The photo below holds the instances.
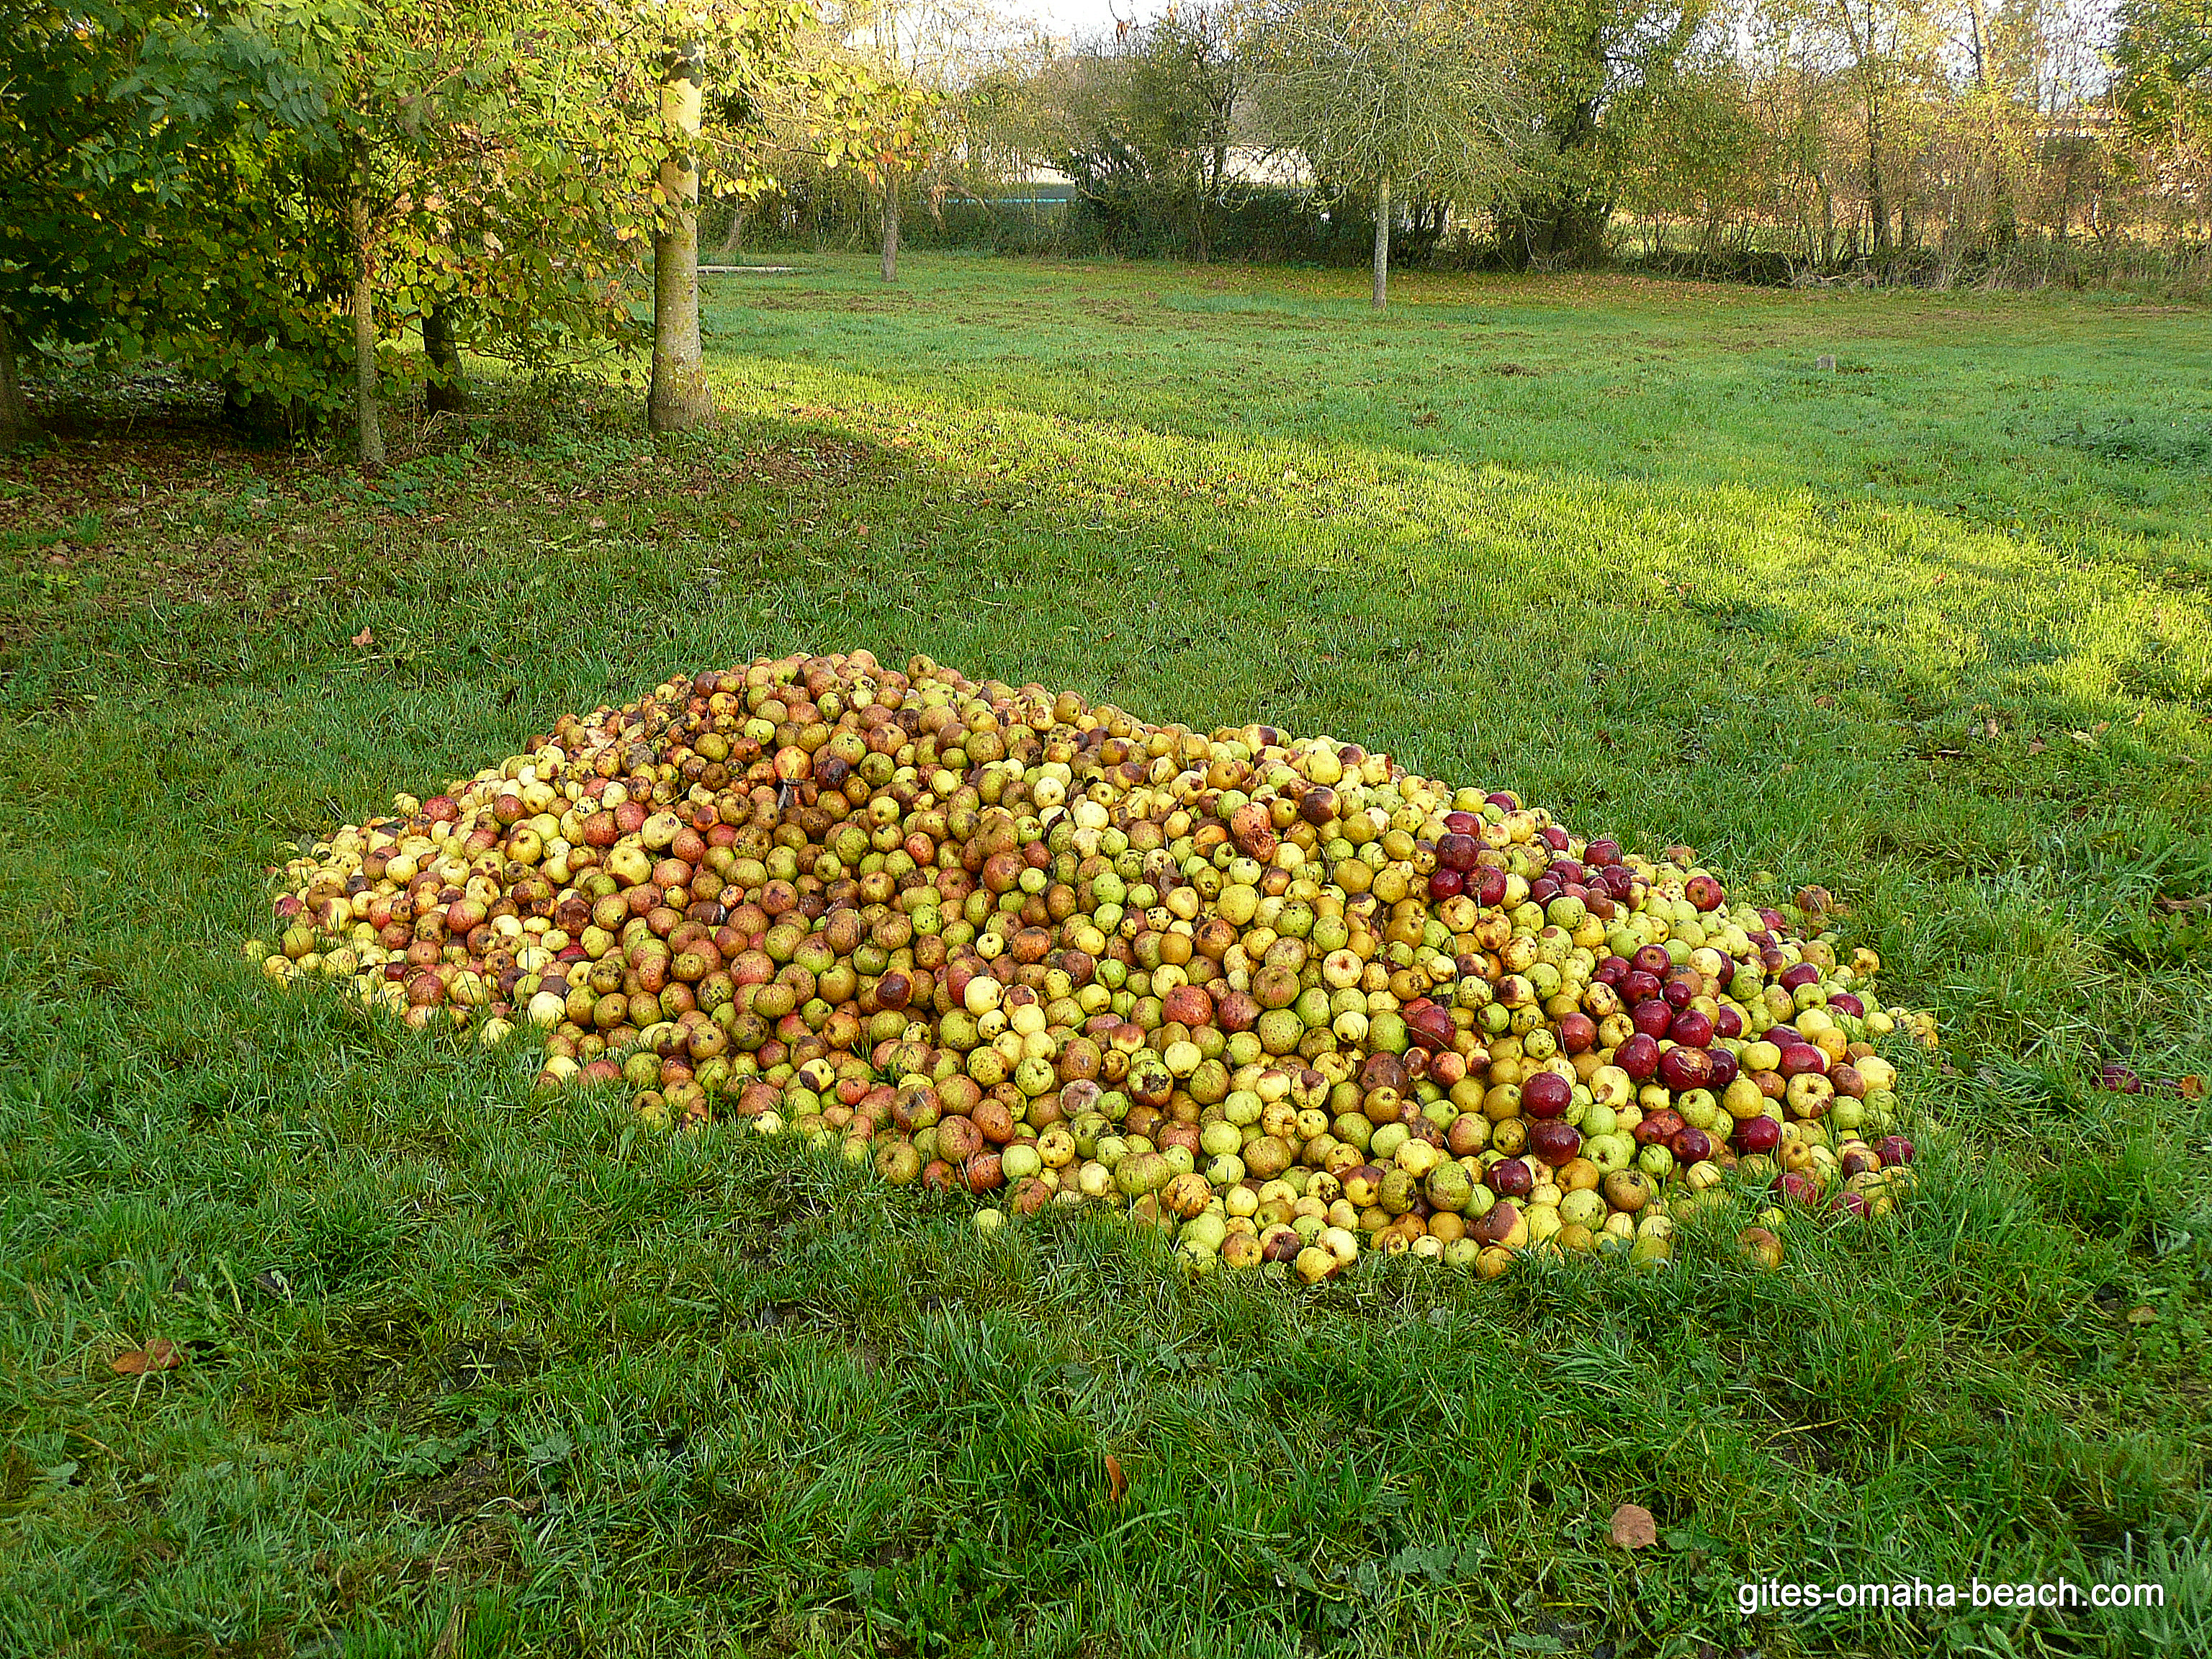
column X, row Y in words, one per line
column 1381, row 242
column 680, row 396
column 447, row 393
column 16, row 426
column 368, row 401
column 890, row 227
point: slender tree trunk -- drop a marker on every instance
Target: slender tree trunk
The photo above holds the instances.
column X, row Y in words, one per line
column 367, row 400
column 447, row 393
column 727, row 253
column 680, row 396
column 1381, row 242
column 1877, row 197
column 890, row 227
column 16, row 426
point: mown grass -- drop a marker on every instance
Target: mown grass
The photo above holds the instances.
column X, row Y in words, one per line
column 472, row 1372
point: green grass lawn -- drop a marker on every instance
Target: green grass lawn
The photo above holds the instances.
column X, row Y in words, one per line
column 467, row 1373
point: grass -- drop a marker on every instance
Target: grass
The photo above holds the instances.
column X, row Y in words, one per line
column 466, row 1372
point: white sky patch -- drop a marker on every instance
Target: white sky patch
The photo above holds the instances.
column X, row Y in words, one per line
column 1071, row 18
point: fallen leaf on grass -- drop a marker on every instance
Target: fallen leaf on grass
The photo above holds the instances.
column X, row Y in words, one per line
column 2142, row 1315
column 1117, row 1484
column 366, row 637
column 598, row 524
column 1633, row 1528
column 159, row 1355
column 2192, row 1087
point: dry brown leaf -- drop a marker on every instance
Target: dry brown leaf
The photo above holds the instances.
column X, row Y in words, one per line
column 366, row 637
column 1117, row 1484
column 1633, row 1528
column 2192, row 1087
column 2141, row 1315
column 159, row 1355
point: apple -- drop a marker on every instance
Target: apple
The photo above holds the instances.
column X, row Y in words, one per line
column 1511, row 1178
column 1627, row 1190
column 1545, row 1095
column 1639, row 1057
column 1757, row 1134
column 1690, row 1145
column 1554, row 1140
column 1683, row 1069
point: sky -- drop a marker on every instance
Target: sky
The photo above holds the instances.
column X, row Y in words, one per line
column 1082, row 16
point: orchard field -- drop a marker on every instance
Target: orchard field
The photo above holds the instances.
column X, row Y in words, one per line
column 463, row 1371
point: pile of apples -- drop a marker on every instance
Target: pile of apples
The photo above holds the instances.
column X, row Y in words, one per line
column 1277, row 996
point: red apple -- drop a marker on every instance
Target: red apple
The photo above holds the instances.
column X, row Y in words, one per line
column 1758, row 1134
column 1683, row 1069
column 1801, row 1057
column 1545, row 1095
column 1554, row 1140
column 1691, row 1029
column 1511, row 1178
column 1456, row 853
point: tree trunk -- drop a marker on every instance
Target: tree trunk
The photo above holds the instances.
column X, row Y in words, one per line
column 1877, row 198
column 891, row 227
column 16, row 426
column 1381, row 242
column 679, row 396
column 368, row 401
column 727, row 253
column 447, row 393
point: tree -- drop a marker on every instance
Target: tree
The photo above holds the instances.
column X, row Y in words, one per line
column 1393, row 95
column 1185, row 80
column 114, row 115
column 2164, row 54
column 884, row 125
column 892, row 87
column 1592, row 73
column 271, row 194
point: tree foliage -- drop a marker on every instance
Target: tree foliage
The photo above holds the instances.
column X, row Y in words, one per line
column 2164, row 54
column 201, row 182
column 1397, row 96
